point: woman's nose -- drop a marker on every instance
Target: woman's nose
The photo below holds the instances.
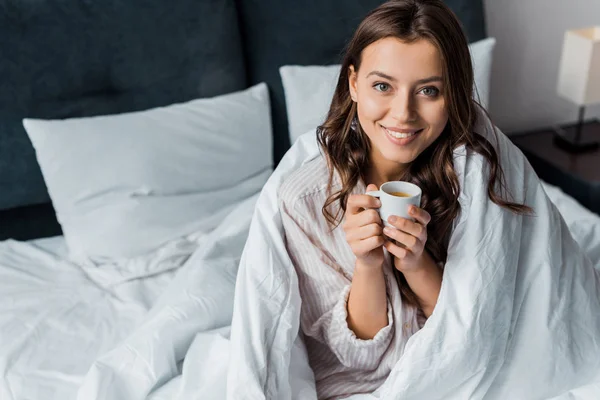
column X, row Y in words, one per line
column 403, row 108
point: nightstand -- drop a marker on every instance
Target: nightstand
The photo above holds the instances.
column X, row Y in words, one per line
column 576, row 174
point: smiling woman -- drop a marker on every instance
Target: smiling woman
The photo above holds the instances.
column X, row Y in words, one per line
column 403, row 103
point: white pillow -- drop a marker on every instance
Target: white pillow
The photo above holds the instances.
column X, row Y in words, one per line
column 482, row 55
column 123, row 185
column 309, row 89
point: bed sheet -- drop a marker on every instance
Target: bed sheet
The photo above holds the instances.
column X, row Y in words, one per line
column 57, row 317
column 583, row 224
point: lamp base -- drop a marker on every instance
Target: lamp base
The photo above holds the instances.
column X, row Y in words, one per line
column 565, row 139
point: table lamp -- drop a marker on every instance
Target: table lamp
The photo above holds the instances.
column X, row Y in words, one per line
column 579, row 82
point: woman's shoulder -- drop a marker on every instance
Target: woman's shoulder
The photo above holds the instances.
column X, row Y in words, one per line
column 310, row 181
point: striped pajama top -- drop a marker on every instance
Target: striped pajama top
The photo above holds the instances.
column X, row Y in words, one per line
column 342, row 363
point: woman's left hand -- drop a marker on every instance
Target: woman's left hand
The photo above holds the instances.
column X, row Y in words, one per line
column 411, row 236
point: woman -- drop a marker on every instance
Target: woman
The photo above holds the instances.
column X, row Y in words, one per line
column 402, row 104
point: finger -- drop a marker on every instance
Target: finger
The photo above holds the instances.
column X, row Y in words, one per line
column 365, row 217
column 410, row 242
column 364, row 246
column 396, row 250
column 364, row 232
column 358, row 202
column 408, row 226
column 371, row 187
column 422, row 216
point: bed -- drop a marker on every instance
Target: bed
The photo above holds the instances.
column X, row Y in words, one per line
column 74, row 292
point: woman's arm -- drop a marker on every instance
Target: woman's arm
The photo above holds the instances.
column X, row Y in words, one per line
column 325, row 290
column 367, row 302
column 425, row 281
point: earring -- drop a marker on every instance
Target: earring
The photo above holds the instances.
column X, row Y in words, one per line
column 354, row 124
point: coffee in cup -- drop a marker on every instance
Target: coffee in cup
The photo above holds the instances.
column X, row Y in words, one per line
column 396, row 197
column 400, row 194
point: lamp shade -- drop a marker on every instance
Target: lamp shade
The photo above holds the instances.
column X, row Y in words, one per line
column 579, row 73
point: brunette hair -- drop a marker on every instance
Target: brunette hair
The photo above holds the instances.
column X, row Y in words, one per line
column 347, row 148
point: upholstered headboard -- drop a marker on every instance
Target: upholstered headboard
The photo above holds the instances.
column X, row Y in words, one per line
column 71, row 58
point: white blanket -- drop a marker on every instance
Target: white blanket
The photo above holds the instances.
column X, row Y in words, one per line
column 191, row 317
column 518, row 315
column 56, row 317
column 516, row 319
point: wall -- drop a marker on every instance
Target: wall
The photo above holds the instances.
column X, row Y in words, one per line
column 529, row 37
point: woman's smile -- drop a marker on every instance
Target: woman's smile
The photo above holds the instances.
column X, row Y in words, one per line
column 400, row 137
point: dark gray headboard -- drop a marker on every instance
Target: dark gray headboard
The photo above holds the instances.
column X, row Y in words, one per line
column 69, row 58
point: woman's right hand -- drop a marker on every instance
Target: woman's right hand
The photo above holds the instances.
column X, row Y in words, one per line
column 363, row 228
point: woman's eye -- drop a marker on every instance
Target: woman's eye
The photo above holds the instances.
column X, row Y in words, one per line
column 430, row 91
column 381, row 87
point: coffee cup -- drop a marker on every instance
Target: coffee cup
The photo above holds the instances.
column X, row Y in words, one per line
column 396, row 198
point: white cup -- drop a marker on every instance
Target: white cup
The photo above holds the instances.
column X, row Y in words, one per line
column 395, row 205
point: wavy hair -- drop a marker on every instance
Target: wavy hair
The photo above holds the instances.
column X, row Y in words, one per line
column 347, row 150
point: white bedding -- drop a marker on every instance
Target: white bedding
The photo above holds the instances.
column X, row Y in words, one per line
column 59, row 320
column 57, row 317
column 55, row 320
column 518, row 314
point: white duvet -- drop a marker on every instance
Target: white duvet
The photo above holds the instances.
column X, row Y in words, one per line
column 58, row 317
column 518, row 315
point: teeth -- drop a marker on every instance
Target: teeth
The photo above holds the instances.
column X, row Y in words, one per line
column 399, row 135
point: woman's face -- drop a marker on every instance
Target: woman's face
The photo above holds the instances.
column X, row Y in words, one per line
column 400, row 100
